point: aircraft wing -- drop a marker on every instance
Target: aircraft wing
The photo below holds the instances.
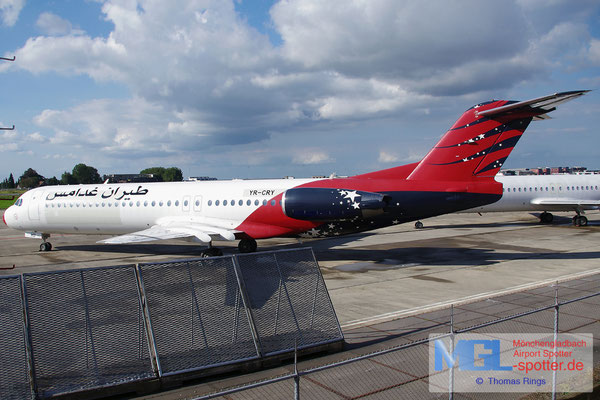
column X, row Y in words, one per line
column 202, row 232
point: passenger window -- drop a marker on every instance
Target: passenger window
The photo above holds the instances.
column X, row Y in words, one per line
column 272, row 202
column 216, row 202
column 224, row 202
column 248, row 202
column 176, row 203
column 256, row 202
column 241, row 202
column 210, row 203
column 264, row 202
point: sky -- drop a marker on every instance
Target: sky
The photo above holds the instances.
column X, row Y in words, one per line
column 267, row 89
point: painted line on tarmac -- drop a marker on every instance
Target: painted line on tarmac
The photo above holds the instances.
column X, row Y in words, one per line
column 465, row 300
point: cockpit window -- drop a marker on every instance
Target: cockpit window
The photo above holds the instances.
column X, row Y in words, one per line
column 19, row 202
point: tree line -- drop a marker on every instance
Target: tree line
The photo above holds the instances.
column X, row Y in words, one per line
column 82, row 174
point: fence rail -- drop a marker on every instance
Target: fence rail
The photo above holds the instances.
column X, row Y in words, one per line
column 402, row 371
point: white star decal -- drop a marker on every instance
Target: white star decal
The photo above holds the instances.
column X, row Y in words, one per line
column 356, row 206
column 331, row 226
column 395, row 222
column 351, row 195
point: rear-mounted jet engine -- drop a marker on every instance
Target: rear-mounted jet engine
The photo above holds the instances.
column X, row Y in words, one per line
column 324, row 204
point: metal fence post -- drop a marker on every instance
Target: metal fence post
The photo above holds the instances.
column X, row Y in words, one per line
column 247, row 305
column 143, row 304
column 287, row 295
column 451, row 374
column 296, row 375
column 555, row 339
column 88, row 325
column 28, row 343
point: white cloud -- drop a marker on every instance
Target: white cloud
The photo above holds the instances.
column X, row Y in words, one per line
column 9, row 147
column 201, row 77
column 37, row 137
column 10, row 10
column 594, row 51
column 387, row 157
column 309, row 157
column 53, row 25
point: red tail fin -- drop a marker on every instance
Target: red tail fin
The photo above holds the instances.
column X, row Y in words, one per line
column 479, row 143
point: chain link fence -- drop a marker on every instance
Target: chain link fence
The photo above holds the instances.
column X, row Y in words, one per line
column 402, row 372
column 73, row 331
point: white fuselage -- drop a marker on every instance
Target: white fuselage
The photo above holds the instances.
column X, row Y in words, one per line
column 525, row 192
column 112, row 209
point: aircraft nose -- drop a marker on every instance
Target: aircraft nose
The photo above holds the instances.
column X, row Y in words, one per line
column 6, row 217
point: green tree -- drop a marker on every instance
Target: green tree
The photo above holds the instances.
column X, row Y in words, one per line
column 172, row 174
column 30, row 179
column 86, row 174
column 11, row 182
column 156, row 171
column 68, row 179
column 52, row 181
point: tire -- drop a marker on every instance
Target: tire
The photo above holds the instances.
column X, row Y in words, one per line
column 418, row 225
column 247, row 246
column 546, row 218
column 211, row 252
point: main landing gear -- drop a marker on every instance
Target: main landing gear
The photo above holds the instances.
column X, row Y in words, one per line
column 546, row 217
column 211, row 252
column 580, row 220
column 246, row 245
column 418, row 225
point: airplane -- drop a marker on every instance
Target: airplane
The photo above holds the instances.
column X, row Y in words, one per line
column 559, row 192
column 457, row 174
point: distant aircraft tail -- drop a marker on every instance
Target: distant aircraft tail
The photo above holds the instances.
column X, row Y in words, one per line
column 480, row 141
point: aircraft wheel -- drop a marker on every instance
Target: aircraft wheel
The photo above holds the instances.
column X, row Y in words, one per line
column 212, row 252
column 576, row 220
column 418, row 225
column 583, row 221
column 546, row 217
column 45, row 246
column 247, row 246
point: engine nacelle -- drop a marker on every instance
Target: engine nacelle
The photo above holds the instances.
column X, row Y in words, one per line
column 324, row 204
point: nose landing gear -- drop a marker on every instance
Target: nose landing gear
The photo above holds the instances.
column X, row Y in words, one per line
column 45, row 246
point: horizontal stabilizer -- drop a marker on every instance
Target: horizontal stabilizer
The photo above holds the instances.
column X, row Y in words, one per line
column 541, row 105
